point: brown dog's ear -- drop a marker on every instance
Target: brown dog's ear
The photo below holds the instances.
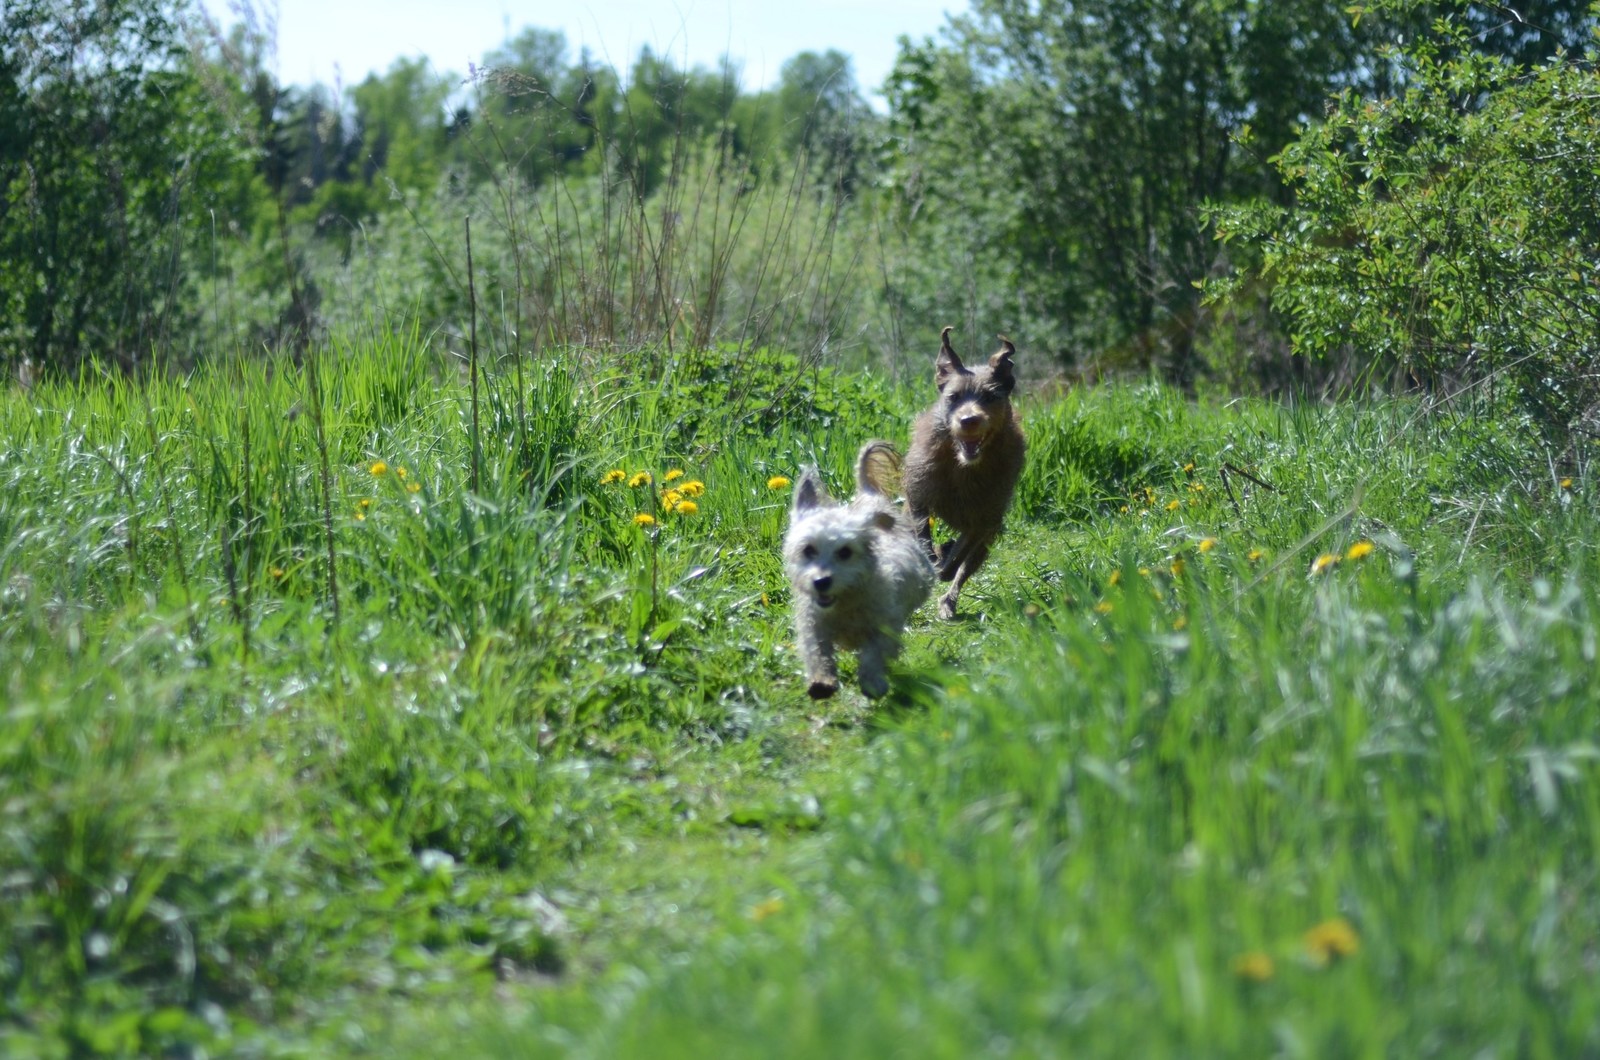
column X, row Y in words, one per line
column 1000, row 365
column 948, row 364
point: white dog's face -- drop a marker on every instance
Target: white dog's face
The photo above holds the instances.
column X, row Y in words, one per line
column 828, row 557
column 828, row 550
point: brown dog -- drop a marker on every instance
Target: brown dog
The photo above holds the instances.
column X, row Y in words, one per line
column 966, row 455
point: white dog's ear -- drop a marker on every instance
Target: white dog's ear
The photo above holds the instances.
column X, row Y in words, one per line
column 807, row 494
column 947, row 364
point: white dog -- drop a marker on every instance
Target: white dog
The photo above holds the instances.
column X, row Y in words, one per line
column 857, row 570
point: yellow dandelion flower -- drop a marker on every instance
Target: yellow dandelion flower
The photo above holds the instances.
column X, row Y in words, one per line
column 1255, row 966
column 1103, row 607
column 1255, row 554
column 1173, row 506
column 276, row 572
column 1181, row 622
column 644, row 519
column 693, row 488
column 365, row 502
column 1188, row 469
column 1124, row 510
column 1207, row 544
column 670, row 500
column 1324, row 563
column 778, row 482
column 1197, row 487
column 1193, row 501
column 1566, row 483
column 413, row 487
column 378, row 468
column 673, row 475
column 1360, row 550
column 1332, row 939
column 361, row 517
column 687, row 508
column 401, row 472
column 764, row 601
column 1144, row 572
column 640, row 478
column 1177, row 567
column 616, row 474
column 1116, row 577
column 770, row 907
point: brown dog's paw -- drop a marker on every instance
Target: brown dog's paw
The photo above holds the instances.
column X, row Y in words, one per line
column 947, row 609
column 823, row 689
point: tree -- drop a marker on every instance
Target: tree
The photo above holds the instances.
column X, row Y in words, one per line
column 824, row 116
column 1447, row 236
column 1056, row 154
column 111, row 156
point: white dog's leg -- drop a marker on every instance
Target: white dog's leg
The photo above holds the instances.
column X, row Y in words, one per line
column 872, row 668
column 822, row 670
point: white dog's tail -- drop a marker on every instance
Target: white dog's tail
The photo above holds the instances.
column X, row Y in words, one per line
column 878, row 469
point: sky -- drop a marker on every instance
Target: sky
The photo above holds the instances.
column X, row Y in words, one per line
column 345, row 40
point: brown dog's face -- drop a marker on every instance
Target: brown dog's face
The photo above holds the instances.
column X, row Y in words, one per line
column 973, row 402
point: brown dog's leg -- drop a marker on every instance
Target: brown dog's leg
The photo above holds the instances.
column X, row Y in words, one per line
column 925, row 534
column 969, row 567
column 956, row 554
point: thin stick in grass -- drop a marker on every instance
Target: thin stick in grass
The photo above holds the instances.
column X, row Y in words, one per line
column 472, row 315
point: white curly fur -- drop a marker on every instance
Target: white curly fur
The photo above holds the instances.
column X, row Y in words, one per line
column 857, row 571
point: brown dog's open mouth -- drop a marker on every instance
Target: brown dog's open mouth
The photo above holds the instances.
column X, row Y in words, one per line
column 824, row 600
column 967, row 448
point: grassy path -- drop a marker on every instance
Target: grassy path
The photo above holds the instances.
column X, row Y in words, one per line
column 1221, row 769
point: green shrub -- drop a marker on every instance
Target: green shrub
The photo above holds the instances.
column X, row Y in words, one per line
column 1448, row 237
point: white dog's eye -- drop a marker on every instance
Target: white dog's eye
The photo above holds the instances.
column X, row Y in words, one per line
column 844, row 552
column 809, row 552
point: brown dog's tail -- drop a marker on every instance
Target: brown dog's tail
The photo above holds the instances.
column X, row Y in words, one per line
column 878, row 469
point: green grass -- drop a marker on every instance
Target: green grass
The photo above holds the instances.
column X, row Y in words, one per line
column 547, row 781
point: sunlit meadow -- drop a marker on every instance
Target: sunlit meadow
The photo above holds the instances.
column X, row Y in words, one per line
column 1270, row 731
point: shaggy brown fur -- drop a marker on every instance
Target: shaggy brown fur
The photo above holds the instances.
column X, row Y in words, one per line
column 966, row 455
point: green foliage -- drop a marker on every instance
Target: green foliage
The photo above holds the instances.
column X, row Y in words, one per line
column 1446, row 236
column 111, row 154
column 1053, row 159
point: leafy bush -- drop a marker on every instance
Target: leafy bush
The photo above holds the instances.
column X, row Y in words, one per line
column 1447, row 237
